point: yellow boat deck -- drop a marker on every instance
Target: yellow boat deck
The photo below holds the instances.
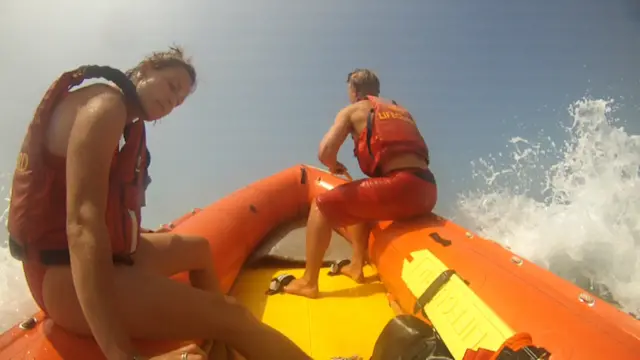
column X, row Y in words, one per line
column 344, row 321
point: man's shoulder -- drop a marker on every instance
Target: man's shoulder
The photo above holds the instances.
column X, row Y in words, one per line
column 357, row 113
column 360, row 109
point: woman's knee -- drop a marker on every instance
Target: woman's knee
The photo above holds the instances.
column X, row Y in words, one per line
column 200, row 248
column 168, row 254
column 197, row 244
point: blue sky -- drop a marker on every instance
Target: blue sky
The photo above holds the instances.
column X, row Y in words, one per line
column 272, row 77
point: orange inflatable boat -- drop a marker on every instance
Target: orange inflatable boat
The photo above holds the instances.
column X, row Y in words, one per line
column 441, row 292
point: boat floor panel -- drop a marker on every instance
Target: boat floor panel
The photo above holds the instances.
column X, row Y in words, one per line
column 344, row 321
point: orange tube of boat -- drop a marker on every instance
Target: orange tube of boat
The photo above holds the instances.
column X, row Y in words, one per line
column 561, row 317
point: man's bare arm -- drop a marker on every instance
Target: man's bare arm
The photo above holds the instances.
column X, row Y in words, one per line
column 335, row 137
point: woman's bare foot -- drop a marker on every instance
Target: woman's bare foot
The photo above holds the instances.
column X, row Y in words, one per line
column 302, row 287
column 354, row 272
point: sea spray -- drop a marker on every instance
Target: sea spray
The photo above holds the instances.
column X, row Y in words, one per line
column 15, row 300
column 574, row 209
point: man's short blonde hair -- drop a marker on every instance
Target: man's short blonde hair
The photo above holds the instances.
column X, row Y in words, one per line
column 364, row 82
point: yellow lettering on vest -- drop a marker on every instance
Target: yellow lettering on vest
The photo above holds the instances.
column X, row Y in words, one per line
column 383, row 115
column 393, row 115
column 22, row 164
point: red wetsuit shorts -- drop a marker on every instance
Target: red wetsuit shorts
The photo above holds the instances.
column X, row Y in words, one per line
column 401, row 194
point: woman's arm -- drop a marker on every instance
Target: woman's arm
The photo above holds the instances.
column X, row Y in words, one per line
column 94, row 137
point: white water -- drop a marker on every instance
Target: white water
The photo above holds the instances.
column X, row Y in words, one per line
column 573, row 208
column 16, row 303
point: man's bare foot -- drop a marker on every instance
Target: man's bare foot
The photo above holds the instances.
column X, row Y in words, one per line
column 354, row 272
column 301, row 287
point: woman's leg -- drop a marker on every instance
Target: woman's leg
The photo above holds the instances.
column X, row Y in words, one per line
column 168, row 254
column 154, row 307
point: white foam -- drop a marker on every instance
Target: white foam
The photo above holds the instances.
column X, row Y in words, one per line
column 573, row 208
column 16, row 303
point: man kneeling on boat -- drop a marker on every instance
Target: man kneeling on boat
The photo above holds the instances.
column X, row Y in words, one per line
column 391, row 151
column 74, row 221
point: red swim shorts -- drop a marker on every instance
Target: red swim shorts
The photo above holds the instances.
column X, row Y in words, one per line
column 401, row 194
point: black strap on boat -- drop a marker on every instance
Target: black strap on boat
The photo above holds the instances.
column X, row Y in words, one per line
column 525, row 353
column 432, row 290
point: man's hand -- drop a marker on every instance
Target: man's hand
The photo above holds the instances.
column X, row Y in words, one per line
column 339, row 169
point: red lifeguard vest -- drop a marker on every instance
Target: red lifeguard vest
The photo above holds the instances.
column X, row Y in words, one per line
column 37, row 211
column 390, row 132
